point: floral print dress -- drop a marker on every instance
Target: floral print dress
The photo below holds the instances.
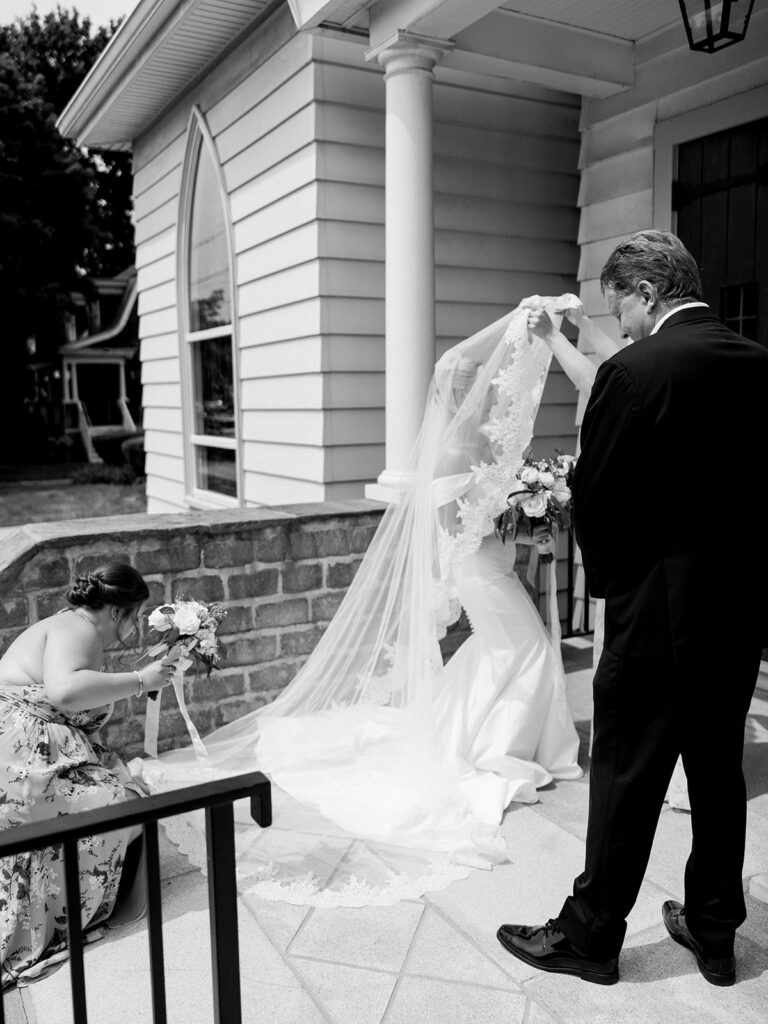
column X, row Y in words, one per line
column 52, row 763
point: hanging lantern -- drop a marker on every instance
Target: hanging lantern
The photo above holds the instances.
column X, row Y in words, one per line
column 714, row 24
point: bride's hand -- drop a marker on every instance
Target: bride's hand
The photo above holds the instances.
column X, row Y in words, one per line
column 576, row 315
column 540, row 324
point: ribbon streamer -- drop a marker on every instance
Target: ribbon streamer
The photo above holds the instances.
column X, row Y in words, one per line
column 152, row 725
column 152, row 722
column 550, row 588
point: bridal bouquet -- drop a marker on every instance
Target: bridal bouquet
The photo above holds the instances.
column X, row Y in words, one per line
column 541, row 496
column 188, row 636
column 188, row 630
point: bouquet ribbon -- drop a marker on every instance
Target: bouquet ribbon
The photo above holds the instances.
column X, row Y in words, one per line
column 550, row 587
column 152, row 723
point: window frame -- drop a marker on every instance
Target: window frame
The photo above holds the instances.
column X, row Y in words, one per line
column 707, row 119
column 196, row 497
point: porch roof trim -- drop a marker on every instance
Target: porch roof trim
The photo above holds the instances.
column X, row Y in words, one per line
column 160, row 47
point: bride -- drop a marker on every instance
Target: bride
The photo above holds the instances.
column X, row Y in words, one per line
column 391, row 771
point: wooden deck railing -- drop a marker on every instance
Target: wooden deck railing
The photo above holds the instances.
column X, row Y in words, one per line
column 217, row 799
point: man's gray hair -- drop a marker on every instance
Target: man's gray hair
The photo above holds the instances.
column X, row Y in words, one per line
column 656, row 256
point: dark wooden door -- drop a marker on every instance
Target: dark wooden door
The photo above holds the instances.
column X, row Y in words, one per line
column 721, row 201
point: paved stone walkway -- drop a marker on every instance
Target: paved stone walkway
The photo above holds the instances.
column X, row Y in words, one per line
column 436, row 960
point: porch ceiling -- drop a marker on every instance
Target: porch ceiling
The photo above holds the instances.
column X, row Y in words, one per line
column 632, row 20
column 582, row 46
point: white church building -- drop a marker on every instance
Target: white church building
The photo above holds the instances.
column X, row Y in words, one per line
column 328, row 193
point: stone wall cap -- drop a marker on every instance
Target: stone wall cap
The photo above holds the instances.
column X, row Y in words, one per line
column 20, row 543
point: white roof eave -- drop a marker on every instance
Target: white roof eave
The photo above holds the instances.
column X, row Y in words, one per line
column 132, row 82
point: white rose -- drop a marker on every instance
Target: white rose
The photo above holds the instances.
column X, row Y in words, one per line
column 547, row 479
column 562, row 491
column 207, row 645
column 529, row 476
column 186, row 619
column 535, row 506
column 159, row 619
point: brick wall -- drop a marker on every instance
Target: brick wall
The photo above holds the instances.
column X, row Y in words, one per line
column 281, row 574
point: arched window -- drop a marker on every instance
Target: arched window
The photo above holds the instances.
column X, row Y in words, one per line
column 207, row 326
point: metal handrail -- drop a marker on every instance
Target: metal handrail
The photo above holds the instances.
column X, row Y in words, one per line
column 217, row 798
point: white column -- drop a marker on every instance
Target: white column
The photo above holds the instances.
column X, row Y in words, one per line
column 410, row 247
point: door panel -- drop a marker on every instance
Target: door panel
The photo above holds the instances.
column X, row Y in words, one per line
column 721, row 201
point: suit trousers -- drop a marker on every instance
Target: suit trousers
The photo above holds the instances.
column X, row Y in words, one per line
column 646, row 714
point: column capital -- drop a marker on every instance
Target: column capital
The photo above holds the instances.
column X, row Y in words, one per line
column 407, row 51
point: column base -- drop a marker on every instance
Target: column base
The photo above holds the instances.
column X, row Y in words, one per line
column 389, row 486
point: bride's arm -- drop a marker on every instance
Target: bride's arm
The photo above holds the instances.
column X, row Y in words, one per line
column 596, row 339
column 576, row 365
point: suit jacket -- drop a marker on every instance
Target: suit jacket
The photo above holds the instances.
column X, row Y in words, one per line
column 671, row 492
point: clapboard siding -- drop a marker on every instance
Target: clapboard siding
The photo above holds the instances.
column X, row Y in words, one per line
column 160, row 371
column 158, row 271
column 616, row 194
column 277, row 254
column 506, row 183
column 270, row 151
column 261, row 117
column 156, row 185
column 298, row 127
column 258, row 122
column 599, row 220
column 283, row 490
column 157, row 248
column 162, row 420
column 160, row 346
column 276, row 219
column 271, row 360
column 150, row 168
column 615, row 199
column 277, row 182
column 267, row 133
column 337, row 426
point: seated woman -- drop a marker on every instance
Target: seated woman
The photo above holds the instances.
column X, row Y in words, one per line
column 54, row 696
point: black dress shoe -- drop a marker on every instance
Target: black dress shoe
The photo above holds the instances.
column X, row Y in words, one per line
column 717, row 971
column 546, row 948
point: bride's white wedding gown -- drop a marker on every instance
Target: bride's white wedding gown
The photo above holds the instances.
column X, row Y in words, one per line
column 501, row 728
column 504, row 706
column 391, row 772
column 382, row 806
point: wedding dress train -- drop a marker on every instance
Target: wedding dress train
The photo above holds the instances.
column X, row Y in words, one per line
column 390, row 771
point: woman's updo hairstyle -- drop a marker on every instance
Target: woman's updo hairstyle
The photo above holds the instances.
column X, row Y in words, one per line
column 115, row 583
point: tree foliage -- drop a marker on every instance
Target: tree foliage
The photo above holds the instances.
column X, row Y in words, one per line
column 65, row 212
column 56, row 52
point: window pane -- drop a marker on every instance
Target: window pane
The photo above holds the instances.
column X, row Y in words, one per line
column 216, row 471
column 209, row 297
column 740, row 302
column 214, row 387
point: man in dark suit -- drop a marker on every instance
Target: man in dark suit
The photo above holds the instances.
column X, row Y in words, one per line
column 670, row 493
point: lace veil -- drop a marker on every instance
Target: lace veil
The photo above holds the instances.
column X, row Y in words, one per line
column 370, row 806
